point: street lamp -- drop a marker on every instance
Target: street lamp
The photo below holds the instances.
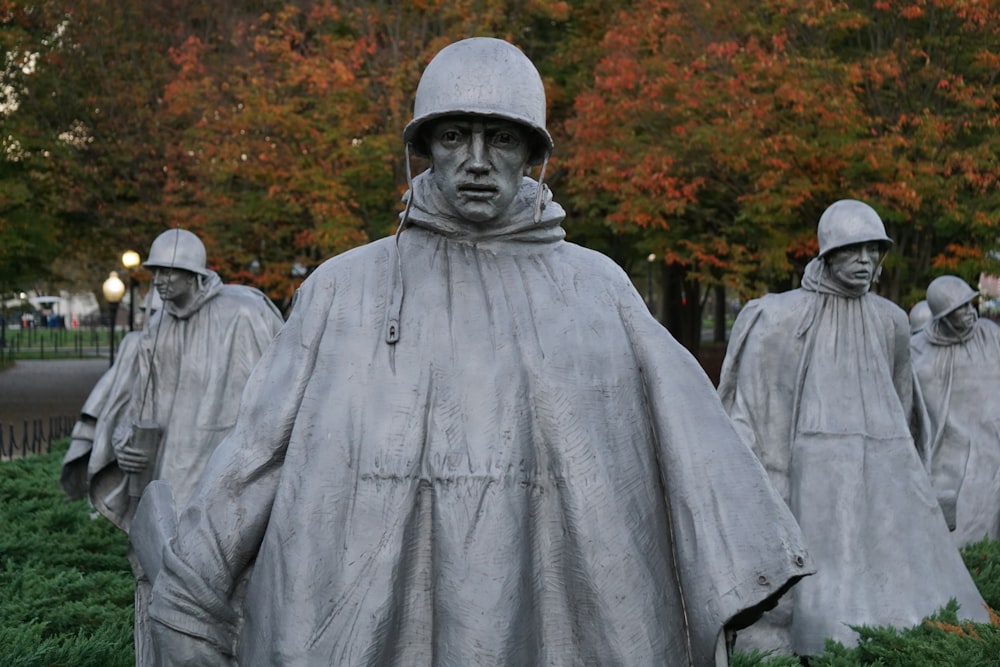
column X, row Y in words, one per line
column 130, row 260
column 649, row 281
column 114, row 290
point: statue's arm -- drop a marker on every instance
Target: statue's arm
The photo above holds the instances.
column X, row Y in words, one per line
column 902, row 370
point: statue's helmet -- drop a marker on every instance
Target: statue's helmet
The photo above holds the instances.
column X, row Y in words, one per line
column 848, row 222
column 481, row 76
column 920, row 315
column 177, row 249
column 947, row 293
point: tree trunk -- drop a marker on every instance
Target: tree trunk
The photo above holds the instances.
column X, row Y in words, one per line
column 681, row 306
column 719, row 332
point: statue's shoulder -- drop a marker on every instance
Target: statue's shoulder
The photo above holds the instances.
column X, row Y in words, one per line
column 355, row 259
column 989, row 327
column 324, row 280
column 776, row 306
column 890, row 311
column 246, row 302
column 591, row 262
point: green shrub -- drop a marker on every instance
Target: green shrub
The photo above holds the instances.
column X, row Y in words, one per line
column 66, row 589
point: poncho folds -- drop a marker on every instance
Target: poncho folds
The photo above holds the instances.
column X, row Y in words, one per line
column 959, row 376
column 819, row 383
column 535, row 473
column 188, row 371
column 100, row 413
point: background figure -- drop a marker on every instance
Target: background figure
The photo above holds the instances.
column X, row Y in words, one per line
column 818, row 381
column 920, row 424
column 193, row 358
column 102, row 412
column 920, row 315
column 956, row 359
column 471, row 444
column 178, row 380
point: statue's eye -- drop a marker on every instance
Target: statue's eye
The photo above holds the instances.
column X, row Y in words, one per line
column 504, row 139
column 450, row 136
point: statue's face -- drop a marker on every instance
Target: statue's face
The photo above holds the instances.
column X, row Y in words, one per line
column 176, row 285
column 853, row 266
column 962, row 318
column 478, row 164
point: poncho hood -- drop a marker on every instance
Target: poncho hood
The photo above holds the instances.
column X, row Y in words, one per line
column 941, row 332
column 211, row 284
column 817, row 279
column 429, row 210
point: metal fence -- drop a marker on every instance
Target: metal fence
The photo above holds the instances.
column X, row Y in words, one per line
column 33, row 436
column 34, row 343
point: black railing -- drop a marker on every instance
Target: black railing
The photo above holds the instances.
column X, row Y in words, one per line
column 31, row 343
column 33, row 436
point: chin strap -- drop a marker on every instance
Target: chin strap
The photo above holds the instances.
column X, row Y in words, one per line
column 542, row 188
column 396, row 277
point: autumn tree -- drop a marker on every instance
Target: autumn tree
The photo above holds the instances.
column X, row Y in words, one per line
column 29, row 220
column 718, row 133
column 926, row 74
column 84, row 139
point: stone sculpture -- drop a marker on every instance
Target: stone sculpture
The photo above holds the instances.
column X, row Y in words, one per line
column 920, row 315
column 173, row 392
column 818, row 381
column 185, row 375
column 101, row 413
column 471, row 444
column 956, row 358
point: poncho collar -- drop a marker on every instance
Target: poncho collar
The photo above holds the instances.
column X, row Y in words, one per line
column 429, row 210
column 425, row 207
column 816, row 278
column 940, row 332
column 211, row 284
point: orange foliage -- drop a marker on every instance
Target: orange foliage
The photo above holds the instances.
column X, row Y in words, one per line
column 736, row 128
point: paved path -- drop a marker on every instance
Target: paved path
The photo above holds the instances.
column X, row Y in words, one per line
column 47, row 388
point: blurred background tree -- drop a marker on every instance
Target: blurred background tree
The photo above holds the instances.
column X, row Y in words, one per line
column 709, row 137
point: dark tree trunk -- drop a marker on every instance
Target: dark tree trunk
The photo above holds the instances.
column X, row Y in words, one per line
column 719, row 332
column 681, row 306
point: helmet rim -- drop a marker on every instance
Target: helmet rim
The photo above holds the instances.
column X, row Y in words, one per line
column 946, row 294
column 481, row 76
column 849, row 222
column 186, row 252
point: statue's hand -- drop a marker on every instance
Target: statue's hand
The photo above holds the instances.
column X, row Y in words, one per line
column 132, row 460
column 176, row 649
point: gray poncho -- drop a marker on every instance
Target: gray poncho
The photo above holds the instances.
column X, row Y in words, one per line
column 189, row 368
column 535, row 473
column 818, row 381
column 959, row 376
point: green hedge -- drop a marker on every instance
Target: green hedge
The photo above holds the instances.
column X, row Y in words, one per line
column 66, row 592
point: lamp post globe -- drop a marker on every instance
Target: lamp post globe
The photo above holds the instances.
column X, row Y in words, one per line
column 113, row 289
column 649, row 281
column 130, row 260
